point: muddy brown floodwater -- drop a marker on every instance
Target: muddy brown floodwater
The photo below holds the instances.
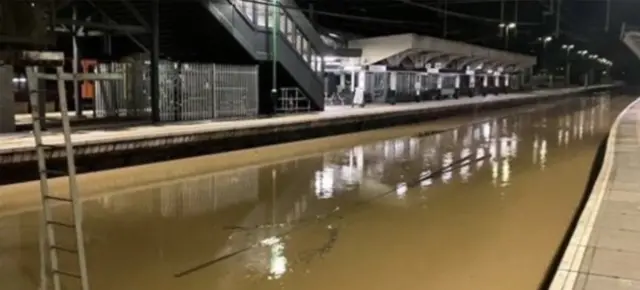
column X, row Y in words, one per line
column 482, row 206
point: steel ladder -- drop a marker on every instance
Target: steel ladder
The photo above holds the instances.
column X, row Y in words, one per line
column 49, row 247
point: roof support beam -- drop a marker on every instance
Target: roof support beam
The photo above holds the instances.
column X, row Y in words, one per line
column 132, row 29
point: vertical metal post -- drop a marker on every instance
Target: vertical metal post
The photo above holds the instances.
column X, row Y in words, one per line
column 506, row 38
column 502, row 11
column 274, row 51
column 544, row 56
column 568, row 68
column 155, row 60
column 74, row 65
column 444, row 26
column 503, row 25
column 515, row 16
column 608, row 16
column 558, row 12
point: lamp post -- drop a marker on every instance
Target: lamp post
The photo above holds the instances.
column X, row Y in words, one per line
column 544, row 40
column 584, row 54
column 568, row 48
column 590, row 77
column 507, row 27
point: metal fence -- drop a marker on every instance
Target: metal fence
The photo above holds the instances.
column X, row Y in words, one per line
column 197, row 91
column 117, row 98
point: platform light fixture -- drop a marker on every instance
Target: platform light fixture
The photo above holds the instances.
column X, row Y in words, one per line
column 505, row 29
column 547, row 39
column 582, row 52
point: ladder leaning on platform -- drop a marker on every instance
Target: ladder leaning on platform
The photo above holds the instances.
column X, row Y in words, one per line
column 53, row 224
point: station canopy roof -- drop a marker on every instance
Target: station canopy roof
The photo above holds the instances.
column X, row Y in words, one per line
column 631, row 37
column 419, row 51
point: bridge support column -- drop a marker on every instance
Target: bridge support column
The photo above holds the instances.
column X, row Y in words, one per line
column 7, row 102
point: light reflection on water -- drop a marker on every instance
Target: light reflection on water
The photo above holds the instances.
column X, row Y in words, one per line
column 342, row 170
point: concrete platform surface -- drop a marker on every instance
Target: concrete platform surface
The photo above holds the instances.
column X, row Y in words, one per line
column 24, row 141
column 604, row 250
column 25, row 119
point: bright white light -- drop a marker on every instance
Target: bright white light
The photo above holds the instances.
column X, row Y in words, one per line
column 330, row 58
column 19, row 80
column 511, row 25
column 548, row 38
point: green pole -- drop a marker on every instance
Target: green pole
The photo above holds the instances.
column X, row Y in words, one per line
column 274, row 51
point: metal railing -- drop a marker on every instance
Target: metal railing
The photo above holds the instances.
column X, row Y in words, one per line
column 114, row 98
column 292, row 100
column 197, row 91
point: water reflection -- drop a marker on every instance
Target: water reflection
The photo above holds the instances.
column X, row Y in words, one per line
column 386, row 164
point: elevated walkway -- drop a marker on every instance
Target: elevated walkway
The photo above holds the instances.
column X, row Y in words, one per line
column 422, row 50
column 604, row 250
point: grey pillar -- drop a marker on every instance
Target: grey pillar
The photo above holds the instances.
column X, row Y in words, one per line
column 7, row 102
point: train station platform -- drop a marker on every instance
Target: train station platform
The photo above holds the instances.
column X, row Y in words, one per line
column 209, row 137
column 604, row 249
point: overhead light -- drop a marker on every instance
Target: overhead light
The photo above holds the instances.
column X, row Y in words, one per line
column 511, row 25
column 548, row 38
column 501, row 25
column 330, row 58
